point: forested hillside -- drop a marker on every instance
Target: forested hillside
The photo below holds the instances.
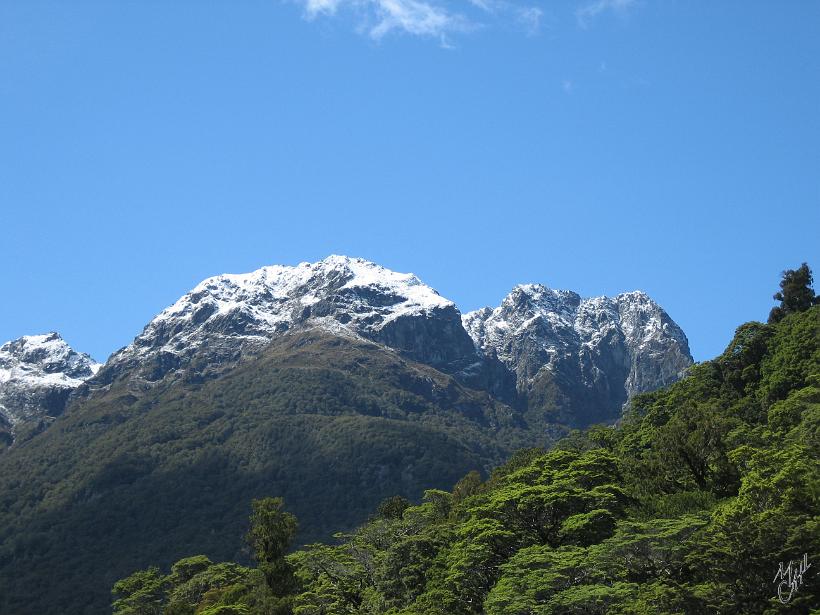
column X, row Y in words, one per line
column 690, row 505
column 334, row 384
column 331, row 423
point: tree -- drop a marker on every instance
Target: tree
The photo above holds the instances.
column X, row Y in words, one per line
column 272, row 531
column 796, row 293
column 393, row 507
column 142, row 593
column 468, row 486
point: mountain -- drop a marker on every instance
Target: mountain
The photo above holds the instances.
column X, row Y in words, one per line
column 334, row 384
column 704, row 499
column 541, row 349
column 37, row 374
column 230, row 316
column 599, row 351
column 332, row 423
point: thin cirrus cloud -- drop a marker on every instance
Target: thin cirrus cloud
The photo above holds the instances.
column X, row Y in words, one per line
column 426, row 18
column 381, row 17
column 587, row 13
column 441, row 19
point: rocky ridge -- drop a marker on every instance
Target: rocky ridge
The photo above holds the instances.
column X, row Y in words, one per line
column 228, row 316
column 538, row 346
column 37, row 375
column 611, row 347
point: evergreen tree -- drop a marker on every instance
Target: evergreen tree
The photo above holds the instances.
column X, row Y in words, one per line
column 796, row 293
column 272, row 531
column 393, row 507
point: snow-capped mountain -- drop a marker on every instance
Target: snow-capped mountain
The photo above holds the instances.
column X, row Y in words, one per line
column 597, row 351
column 612, row 347
column 228, row 316
column 37, row 374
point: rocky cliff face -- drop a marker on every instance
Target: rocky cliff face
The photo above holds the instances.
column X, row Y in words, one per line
column 229, row 316
column 598, row 351
column 37, row 374
column 540, row 347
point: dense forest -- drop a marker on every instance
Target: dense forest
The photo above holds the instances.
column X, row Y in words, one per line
column 694, row 503
column 130, row 478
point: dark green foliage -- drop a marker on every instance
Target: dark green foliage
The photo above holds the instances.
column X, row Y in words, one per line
column 468, row 486
column 272, row 531
column 688, row 507
column 393, row 507
column 796, row 293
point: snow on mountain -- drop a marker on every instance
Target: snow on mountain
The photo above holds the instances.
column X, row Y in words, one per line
column 273, row 296
column 232, row 314
column 603, row 349
column 600, row 350
column 37, row 373
column 624, row 344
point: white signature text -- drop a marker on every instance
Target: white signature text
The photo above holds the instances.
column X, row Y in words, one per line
column 790, row 578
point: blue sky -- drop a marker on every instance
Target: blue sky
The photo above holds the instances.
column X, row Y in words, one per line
column 597, row 145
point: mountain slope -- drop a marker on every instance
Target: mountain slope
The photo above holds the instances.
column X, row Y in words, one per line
column 332, row 423
column 705, row 499
column 37, row 374
column 334, row 384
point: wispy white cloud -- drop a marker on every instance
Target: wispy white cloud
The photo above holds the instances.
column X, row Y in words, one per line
column 381, row 17
column 437, row 19
column 318, row 7
column 414, row 17
column 530, row 19
column 441, row 19
column 524, row 17
column 587, row 13
column 488, row 6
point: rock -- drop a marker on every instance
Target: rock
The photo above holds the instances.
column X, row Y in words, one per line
column 595, row 352
column 230, row 316
column 37, row 375
column 579, row 359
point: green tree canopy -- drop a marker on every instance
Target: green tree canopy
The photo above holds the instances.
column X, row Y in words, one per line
column 796, row 293
column 272, row 531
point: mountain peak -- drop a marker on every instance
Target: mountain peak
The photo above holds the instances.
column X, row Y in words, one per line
column 615, row 347
column 47, row 353
column 37, row 373
column 229, row 315
column 537, row 297
column 309, row 281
